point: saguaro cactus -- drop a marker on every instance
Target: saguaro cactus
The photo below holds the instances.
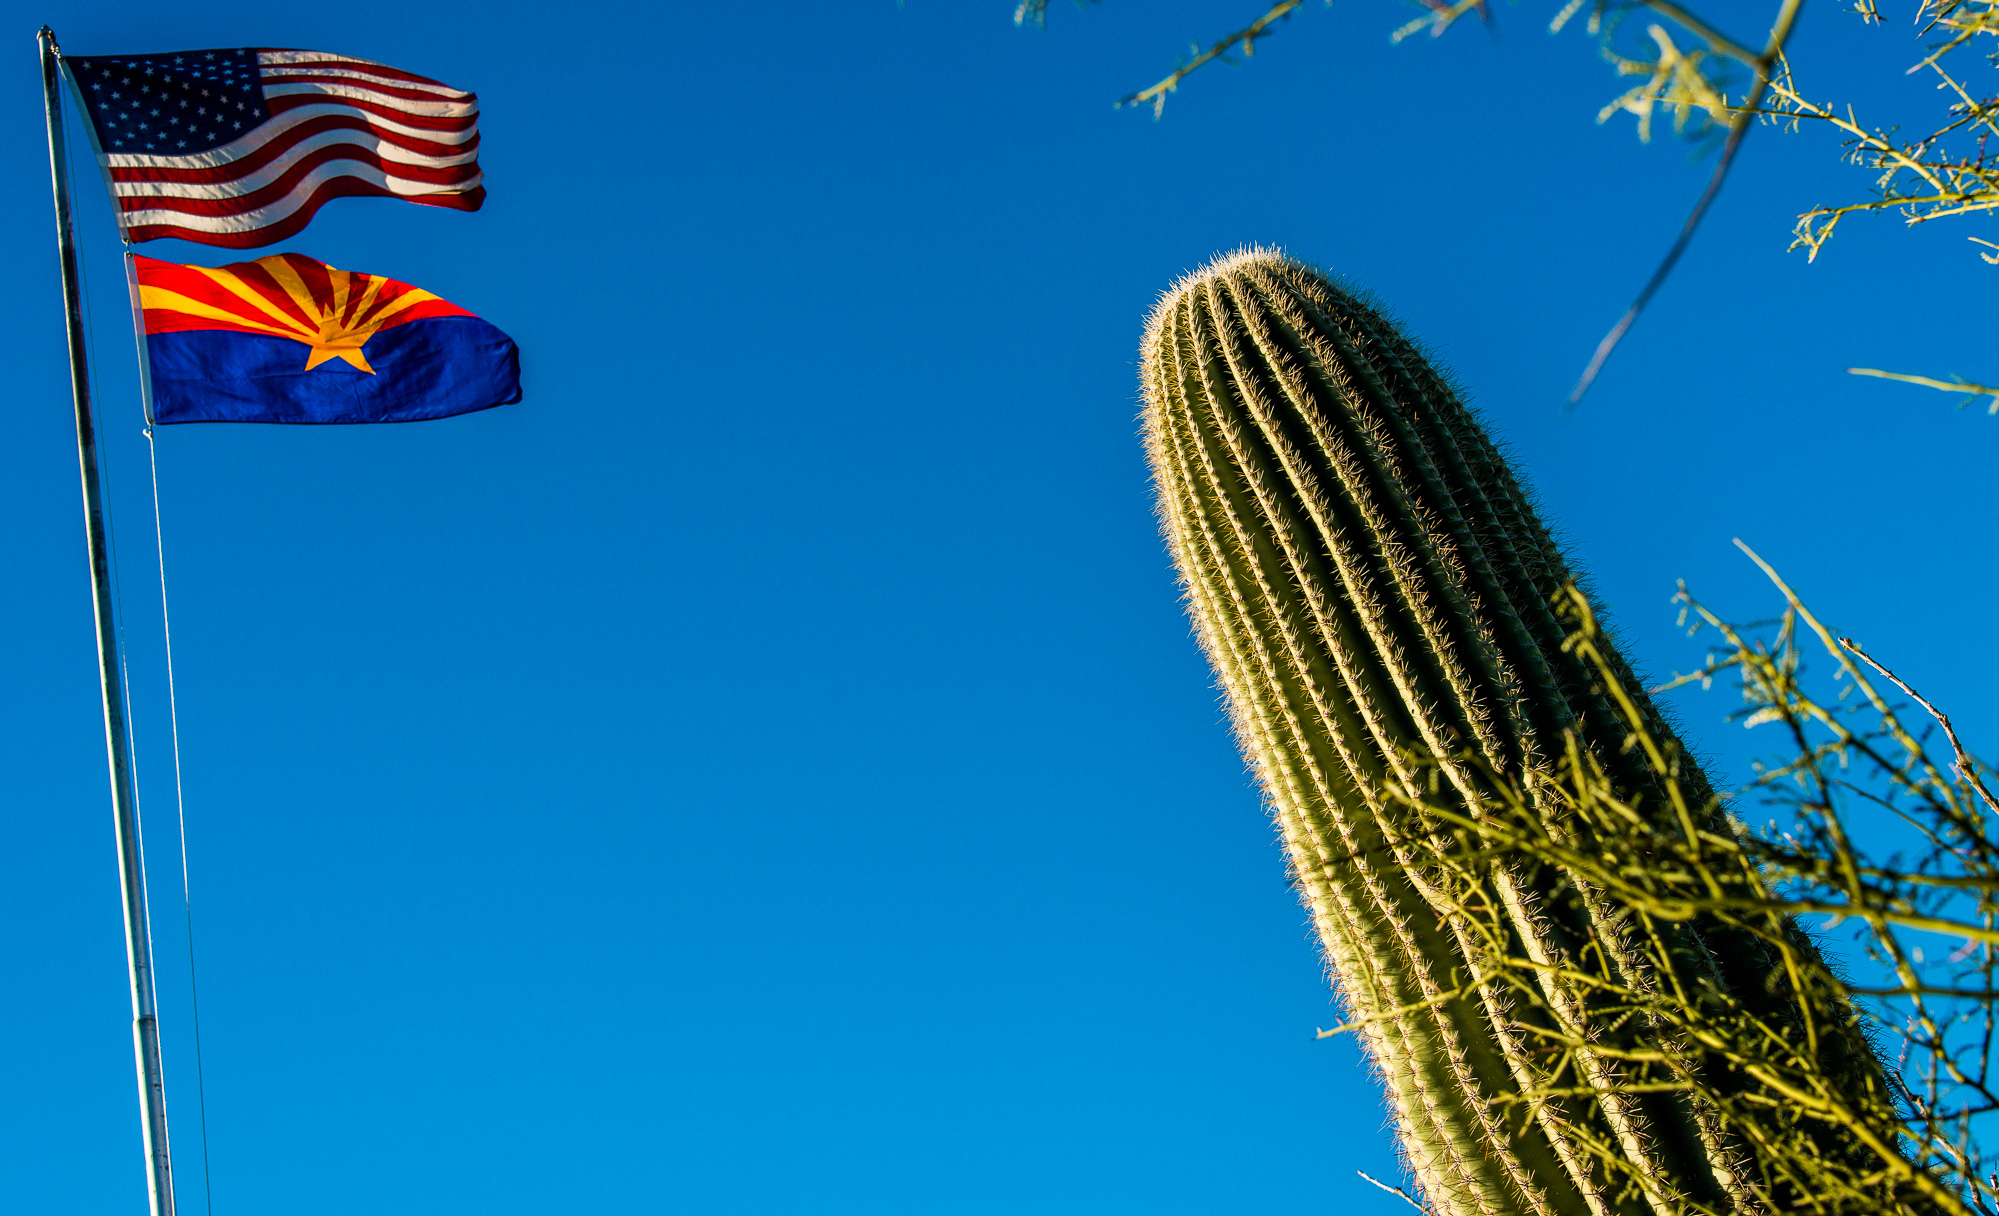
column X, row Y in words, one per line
column 1378, row 597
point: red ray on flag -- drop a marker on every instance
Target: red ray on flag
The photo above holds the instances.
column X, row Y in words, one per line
column 287, row 338
column 239, row 147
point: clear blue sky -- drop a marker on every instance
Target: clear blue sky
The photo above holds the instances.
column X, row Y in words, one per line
column 767, row 771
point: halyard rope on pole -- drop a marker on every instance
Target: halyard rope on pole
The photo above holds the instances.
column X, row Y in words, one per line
column 180, row 816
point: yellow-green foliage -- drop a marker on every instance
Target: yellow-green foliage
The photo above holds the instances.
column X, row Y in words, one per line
column 1925, row 167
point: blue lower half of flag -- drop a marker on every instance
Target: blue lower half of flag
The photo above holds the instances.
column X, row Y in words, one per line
column 431, row 368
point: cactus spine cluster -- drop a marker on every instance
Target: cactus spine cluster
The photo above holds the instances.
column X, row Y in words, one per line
column 1377, row 595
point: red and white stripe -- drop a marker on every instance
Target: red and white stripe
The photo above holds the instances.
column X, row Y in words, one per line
column 339, row 127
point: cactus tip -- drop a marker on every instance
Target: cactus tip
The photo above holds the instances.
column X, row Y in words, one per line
column 1220, row 264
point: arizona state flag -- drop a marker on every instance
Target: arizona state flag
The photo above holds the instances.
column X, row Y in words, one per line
column 290, row 339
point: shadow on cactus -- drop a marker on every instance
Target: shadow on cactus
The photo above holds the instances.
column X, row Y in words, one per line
column 1580, row 979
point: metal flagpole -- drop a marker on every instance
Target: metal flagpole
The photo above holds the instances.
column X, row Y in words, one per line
column 138, row 941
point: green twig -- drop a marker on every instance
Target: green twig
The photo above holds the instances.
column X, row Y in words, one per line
column 1972, row 391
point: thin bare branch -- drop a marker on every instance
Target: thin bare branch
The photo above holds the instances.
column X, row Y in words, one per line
column 1780, row 33
column 1715, row 39
column 1395, row 1190
column 1965, row 768
column 1244, row 38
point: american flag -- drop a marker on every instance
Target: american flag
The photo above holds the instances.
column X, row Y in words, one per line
column 240, row 147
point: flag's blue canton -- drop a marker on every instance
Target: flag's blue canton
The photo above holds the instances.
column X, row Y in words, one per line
column 174, row 104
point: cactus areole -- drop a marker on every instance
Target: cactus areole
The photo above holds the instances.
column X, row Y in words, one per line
column 1377, row 596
